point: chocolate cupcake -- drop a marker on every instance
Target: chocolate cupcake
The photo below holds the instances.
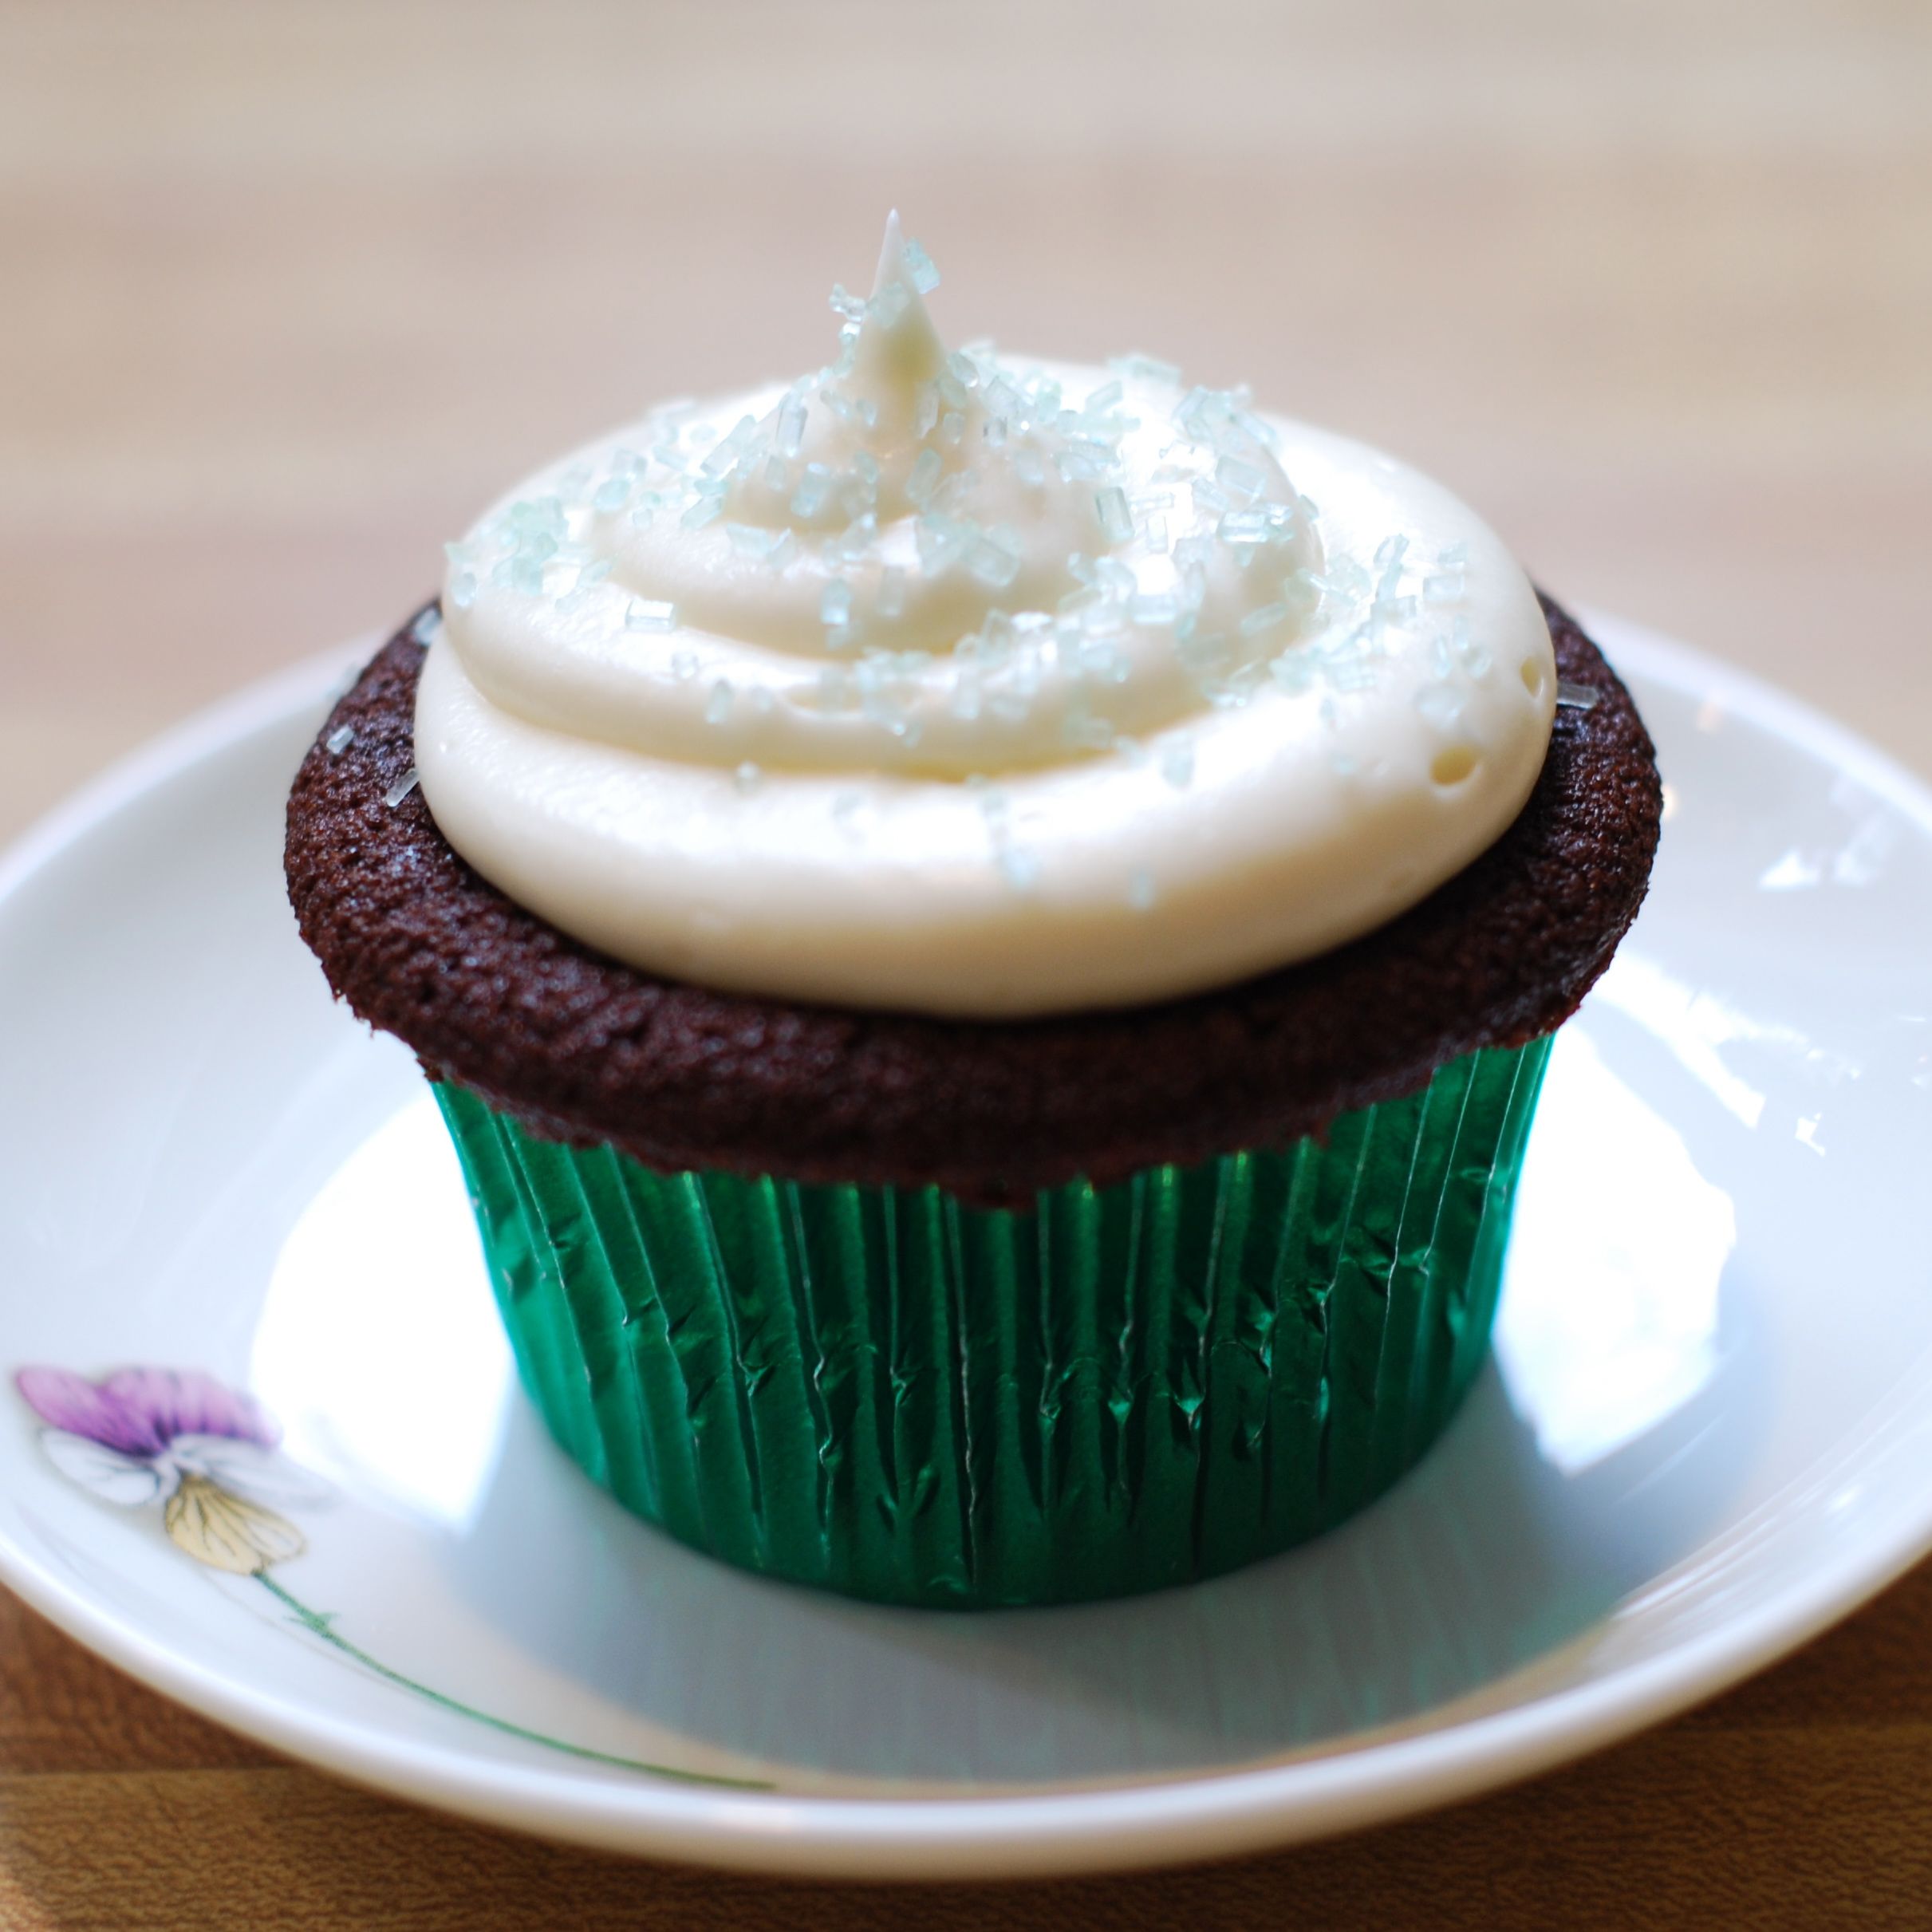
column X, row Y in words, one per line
column 987, row 933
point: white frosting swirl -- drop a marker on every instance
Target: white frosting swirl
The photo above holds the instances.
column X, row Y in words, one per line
column 977, row 686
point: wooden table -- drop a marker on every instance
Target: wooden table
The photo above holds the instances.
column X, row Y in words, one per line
column 286, row 292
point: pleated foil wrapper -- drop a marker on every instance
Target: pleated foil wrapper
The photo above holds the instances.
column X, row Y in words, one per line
column 887, row 1393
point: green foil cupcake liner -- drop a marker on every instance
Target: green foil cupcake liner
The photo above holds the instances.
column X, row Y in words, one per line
column 888, row 1393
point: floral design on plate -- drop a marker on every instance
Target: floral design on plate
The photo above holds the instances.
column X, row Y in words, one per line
column 179, row 1438
column 207, row 1454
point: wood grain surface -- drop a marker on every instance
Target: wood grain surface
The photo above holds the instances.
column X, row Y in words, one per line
column 287, row 291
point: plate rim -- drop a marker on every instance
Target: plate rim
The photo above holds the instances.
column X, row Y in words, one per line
column 1216, row 1813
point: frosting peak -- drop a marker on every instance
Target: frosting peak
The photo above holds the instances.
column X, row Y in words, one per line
column 897, row 349
column 951, row 682
column 858, row 420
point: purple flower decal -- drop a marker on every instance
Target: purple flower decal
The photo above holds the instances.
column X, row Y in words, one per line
column 138, row 1412
column 179, row 1438
column 207, row 1454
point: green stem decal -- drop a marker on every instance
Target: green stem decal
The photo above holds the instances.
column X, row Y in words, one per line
column 322, row 1623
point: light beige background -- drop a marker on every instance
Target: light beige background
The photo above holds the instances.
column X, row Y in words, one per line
column 287, row 291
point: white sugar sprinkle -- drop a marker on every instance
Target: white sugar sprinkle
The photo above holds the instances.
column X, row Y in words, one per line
column 650, row 614
column 1243, row 481
column 919, row 265
column 814, row 487
column 401, row 790
column 1577, row 697
column 923, row 478
column 1110, row 507
column 995, row 559
column 890, row 303
column 340, row 739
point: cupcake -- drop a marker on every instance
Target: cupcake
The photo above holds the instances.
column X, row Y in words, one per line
column 987, row 931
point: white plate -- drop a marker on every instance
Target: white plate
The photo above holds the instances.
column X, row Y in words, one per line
column 1705, row 1434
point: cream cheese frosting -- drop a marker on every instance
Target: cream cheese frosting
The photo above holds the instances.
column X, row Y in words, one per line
column 977, row 685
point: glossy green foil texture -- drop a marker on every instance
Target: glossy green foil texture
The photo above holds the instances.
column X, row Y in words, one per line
column 887, row 1393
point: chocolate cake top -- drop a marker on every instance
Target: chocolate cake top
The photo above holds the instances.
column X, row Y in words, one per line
column 582, row 1049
